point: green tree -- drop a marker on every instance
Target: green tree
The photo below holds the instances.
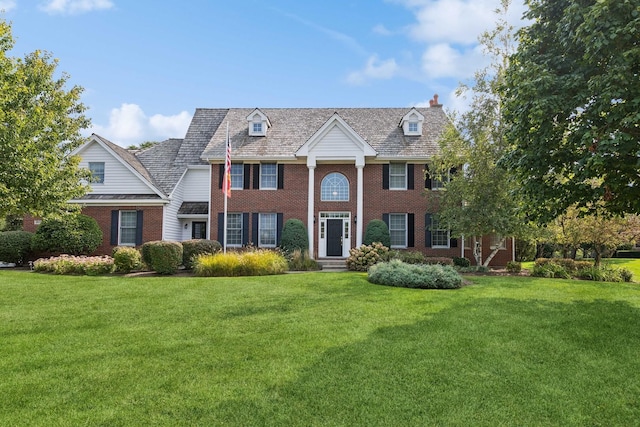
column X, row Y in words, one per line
column 572, row 100
column 41, row 122
column 479, row 198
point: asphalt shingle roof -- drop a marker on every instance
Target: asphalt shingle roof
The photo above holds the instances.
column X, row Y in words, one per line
column 292, row 127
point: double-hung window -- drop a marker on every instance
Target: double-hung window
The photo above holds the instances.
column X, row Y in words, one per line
column 97, row 172
column 128, row 225
column 398, row 176
column 237, row 176
column 267, row 224
column 440, row 237
column 234, row 229
column 398, row 230
column 268, row 176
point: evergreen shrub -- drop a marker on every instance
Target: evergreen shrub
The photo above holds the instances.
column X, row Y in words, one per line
column 126, row 259
column 377, row 231
column 73, row 234
column 15, row 246
column 294, row 236
column 163, row 257
column 459, row 261
column 425, row 276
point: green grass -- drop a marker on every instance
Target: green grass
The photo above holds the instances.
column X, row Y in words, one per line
column 316, row 349
column 632, row 264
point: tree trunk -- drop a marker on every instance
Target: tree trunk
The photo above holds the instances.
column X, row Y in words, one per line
column 493, row 252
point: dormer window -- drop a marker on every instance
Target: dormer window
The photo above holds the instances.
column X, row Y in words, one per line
column 258, row 123
column 411, row 123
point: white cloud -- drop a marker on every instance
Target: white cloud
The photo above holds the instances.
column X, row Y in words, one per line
column 130, row 125
column 455, row 21
column 74, row 7
column 7, row 5
column 374, row 70
column 382, row 30
column 442, row 60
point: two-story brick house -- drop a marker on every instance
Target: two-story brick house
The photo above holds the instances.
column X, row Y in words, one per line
column 335, row 169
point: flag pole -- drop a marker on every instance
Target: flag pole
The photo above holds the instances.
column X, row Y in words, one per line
column 226, row 186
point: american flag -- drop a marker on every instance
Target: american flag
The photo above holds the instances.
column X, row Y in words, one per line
column 226, row 184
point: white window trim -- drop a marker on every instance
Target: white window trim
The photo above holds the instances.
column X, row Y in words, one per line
column 275, row 230
column 104, row 167
column 433, row 229
column 234, row 245
column 241, row 174
column 120, row 242
column 275, row 186
column 406, row 231
column 330, row 199
column 404, row 186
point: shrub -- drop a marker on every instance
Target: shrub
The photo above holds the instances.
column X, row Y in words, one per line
column 68, row 264
column 195, row 247
column 360, row 259
column 294, row 236
column 550, row 270
column 426, row 276
column 377, row 231
column 74, row 234
column 410, row 257
column 15, row 246
column 300, row 261
column 126, row 259
column 626, row 275
column 461, row 261
column 163, row 257
column 514, row 267
column 442, row 260
column 252, row 263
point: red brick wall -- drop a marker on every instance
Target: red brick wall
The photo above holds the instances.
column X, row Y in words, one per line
column 151, row 230
column 292, row 201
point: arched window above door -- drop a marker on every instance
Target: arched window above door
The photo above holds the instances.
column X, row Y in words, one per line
column 334, row 188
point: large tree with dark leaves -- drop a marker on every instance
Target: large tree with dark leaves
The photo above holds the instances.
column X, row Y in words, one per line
column 40, row 123
column 572, row 101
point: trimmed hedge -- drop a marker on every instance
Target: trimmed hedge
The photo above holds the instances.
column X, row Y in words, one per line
column 71, row 234
column 425, row 276
column 163, row 257
column 193, row 248
column 377, row 231
column 126, row 259
column 15, row 246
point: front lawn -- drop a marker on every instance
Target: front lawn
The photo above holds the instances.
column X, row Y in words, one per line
column 316, row 349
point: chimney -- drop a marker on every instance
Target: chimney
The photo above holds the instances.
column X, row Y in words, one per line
column 434, row 102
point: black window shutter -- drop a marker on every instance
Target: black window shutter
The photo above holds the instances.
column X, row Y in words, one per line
column 427, row 177
column 256, row 176
column 385, row 177
column 453, row 242
column 279, row 225
column 427, row 230
column 245, row 228
column 385, row 218
column 280, row 176
column 411, row 220
column 115, row 217
column 221, row 228
column 247, row 177
column 221, row 176
column 410, row 176
column 139, row 226
column 254, row 229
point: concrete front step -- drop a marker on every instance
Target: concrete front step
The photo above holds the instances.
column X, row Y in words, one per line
column 333, row 264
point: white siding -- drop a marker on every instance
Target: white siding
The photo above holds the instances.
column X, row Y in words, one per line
column 118, row 179
column 172, row 227
column 196, row 185
column 336, row 143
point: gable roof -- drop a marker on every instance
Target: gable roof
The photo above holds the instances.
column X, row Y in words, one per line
column 291, row 128
column 168, row 160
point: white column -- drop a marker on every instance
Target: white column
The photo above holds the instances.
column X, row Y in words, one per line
column 359, row 201
column 310, row 207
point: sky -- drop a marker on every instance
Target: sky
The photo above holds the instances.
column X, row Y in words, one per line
column 146, row 65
